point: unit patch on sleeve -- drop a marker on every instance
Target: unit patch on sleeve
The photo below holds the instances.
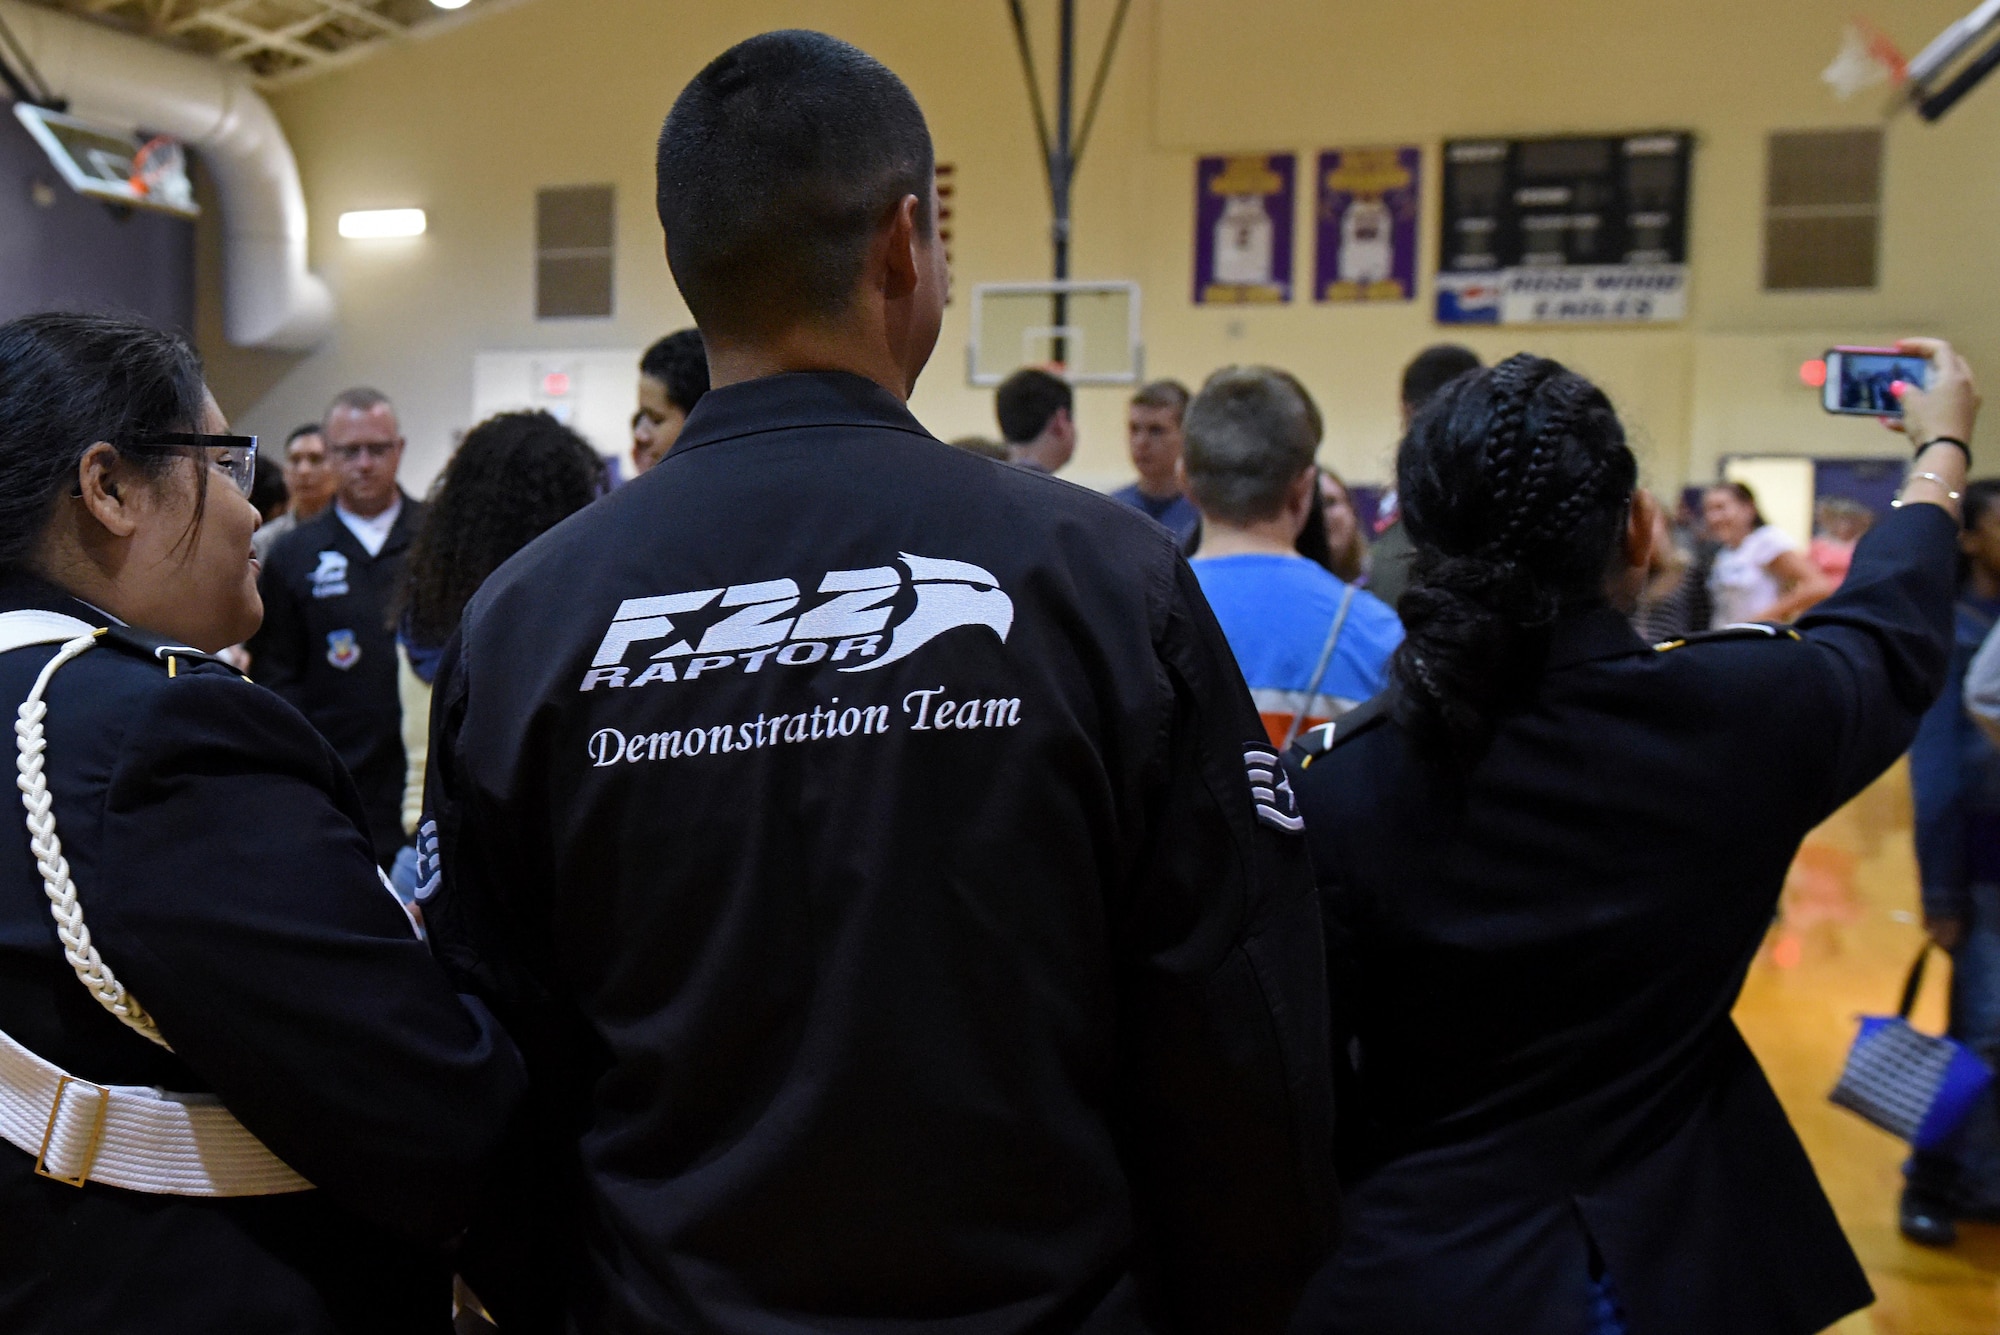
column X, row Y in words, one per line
column 343, row 650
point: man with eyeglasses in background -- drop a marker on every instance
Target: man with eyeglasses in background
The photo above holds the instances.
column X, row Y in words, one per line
column 328, row 643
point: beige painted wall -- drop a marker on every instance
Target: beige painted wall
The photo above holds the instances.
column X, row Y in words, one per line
column 468, row 125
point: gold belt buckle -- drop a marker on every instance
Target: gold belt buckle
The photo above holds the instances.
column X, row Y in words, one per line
column 96, row 1132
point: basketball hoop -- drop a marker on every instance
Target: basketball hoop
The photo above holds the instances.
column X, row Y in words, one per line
column 111, row 164
column 159, row 175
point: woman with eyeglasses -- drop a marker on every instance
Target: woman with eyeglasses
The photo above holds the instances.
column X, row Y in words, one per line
column 235, row 1092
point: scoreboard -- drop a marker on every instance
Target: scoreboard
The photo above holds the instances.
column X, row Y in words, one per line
column 1586, row 230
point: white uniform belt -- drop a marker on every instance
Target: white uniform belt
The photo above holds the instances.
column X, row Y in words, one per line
column 135, row 1137
column 127, row 1136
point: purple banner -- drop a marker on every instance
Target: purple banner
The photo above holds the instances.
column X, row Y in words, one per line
column 1367, row 223
column 1243, row 211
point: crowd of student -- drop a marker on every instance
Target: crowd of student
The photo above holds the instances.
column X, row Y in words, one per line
column 848, row 883
column 1303, row 594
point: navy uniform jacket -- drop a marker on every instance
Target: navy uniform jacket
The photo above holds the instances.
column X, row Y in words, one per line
column 328, row 645
column 213, row 838
column 1542, row 960
column 859, row 836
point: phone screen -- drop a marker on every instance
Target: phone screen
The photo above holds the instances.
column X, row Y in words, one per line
column 1859, row 380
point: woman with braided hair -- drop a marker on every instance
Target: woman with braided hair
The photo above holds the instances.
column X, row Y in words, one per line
column 1547, row 855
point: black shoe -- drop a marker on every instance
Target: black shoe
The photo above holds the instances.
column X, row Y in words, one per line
column 1924, row 1221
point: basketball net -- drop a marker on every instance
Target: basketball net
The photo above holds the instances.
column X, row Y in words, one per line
column 1867, row 59
column 159, row 173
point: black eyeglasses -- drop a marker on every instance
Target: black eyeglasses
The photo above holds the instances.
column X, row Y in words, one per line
column 234, row 455
column 374, row 449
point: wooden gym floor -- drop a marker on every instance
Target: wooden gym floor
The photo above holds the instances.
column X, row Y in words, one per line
column 1847, row 933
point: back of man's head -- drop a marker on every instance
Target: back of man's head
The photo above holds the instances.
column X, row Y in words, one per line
column 1432, row 369
column 776, row 166
column 1250, row 433
column 1025, row 402
column 680, row 363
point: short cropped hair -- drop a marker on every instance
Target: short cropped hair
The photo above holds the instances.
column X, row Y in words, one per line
column 776, row 166
column 1434, row 368
column 1250, row 433
column 302, row 429
column 1169, row 394
column 1026, row 400
column 680, row 363
column 359, row 399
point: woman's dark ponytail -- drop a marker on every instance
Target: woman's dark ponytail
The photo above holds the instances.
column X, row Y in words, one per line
column 1514, row 485
column 67, row 382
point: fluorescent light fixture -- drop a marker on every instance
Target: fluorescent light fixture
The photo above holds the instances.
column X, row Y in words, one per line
column 371, row 224
column 450, row 4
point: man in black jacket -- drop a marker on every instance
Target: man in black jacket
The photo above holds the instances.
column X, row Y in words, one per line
column 328, row 643
column 874, row 846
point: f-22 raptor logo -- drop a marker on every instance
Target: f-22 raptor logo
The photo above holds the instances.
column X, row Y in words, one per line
column 950, row 594
column 851, row 624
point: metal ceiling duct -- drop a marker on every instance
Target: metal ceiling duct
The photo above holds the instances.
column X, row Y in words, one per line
column 270, row 300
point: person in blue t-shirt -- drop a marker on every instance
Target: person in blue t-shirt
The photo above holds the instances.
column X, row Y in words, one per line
column 1311, row 646
column 1153, row 433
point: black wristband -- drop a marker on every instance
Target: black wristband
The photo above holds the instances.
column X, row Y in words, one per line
column 1963, row 448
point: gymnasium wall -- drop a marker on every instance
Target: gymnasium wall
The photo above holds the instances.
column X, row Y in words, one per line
column 554, row 92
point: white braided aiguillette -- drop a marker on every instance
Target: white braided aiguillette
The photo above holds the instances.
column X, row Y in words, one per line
column 91, row 970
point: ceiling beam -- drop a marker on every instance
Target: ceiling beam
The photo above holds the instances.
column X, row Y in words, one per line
column 239, row 30
column 253, row 38
column 366, row 15
column 195, row 17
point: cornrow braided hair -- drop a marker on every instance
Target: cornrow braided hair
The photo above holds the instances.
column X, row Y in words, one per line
column 1515, row 484
column 1511, row 385
column 1538, row 472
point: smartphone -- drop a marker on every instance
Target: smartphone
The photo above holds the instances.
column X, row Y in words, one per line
column 1858, row 380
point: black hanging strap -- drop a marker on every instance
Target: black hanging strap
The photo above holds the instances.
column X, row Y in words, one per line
column 1915, row 982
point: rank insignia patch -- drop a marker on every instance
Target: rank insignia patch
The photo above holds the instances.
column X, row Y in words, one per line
column 1271, row 789
column 430, row 867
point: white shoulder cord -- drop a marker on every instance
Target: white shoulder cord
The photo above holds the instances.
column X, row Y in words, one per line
column 91, row 970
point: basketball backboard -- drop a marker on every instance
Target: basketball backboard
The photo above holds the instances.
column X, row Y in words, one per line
column 110, row 165
column 1087, row 332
